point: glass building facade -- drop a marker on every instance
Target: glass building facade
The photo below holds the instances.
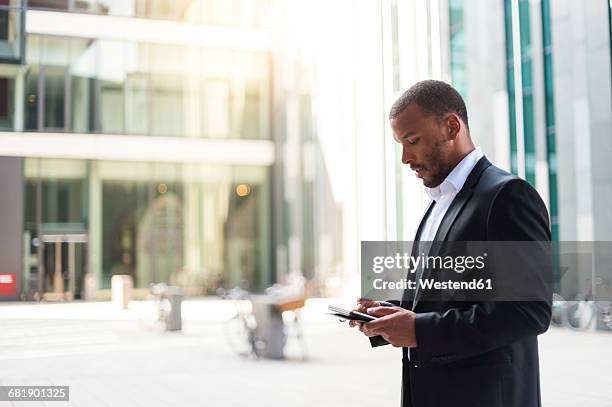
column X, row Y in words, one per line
column 115, row 87
column 552, row 102
column 161, row 213
column 551, row 87
column 536, row 79
column 240, row 13
column 520, row 88
column 198, row 225
column 212, row 143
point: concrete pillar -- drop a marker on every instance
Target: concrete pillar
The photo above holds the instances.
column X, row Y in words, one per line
column 11, row 227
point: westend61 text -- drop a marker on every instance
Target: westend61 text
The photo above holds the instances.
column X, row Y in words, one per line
column 432, row 284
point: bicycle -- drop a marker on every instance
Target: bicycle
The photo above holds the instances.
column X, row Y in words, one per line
column 241, row 329
column 580, row 314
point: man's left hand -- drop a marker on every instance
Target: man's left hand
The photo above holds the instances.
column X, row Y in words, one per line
column 395, row 325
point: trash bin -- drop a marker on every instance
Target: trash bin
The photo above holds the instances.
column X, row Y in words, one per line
column 174, row 297
column 121, row 290
column 270, row 326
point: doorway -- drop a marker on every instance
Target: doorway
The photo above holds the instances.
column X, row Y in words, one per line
column 62, row 269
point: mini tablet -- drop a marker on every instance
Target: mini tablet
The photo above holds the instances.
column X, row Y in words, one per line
column 350, row 315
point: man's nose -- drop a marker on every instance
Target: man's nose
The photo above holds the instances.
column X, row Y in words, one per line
column 407, row 156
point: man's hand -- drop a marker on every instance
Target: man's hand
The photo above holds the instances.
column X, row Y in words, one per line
column 363, row 305
column 395, row 324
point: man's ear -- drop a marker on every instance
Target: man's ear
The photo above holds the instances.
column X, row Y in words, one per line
column 452, row 125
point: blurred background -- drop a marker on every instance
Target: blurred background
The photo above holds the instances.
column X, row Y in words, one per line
column 212, row 144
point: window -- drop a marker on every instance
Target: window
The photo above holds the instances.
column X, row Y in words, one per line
column 550, row 120
column 11, row 31
column 113, row 87
column 457, row 47
column 520, row 95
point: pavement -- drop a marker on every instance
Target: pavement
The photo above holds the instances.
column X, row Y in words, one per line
column 114, row 357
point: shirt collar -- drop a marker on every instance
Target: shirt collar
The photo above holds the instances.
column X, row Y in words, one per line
column 456, row 178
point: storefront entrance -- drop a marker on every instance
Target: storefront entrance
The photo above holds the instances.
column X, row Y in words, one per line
column 63, row 263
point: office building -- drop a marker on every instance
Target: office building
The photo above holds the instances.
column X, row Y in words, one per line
column 136, row 139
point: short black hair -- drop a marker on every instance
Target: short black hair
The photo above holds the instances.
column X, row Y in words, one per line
column 434, row 98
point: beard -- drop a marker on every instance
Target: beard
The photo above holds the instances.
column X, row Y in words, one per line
column 438, row 166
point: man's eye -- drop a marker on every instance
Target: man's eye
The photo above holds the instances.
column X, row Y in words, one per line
column 412, row 142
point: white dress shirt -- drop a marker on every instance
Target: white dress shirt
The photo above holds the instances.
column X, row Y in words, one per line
column 444, row 193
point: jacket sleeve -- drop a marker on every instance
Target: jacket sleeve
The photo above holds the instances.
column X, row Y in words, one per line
column 517, row 213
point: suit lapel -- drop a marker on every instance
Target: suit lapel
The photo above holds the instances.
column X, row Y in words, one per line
column 417, row 236
column 415, row 244
column 451, row 214
column 455, row 208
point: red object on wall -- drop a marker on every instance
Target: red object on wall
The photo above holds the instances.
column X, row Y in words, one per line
column 8, row 284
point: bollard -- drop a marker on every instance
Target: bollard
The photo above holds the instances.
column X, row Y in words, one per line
column 121, row 290
column 90, row 287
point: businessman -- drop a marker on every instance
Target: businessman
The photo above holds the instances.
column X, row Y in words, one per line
column 472, row 354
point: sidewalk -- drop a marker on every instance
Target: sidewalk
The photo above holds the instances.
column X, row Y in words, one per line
column 111, row 357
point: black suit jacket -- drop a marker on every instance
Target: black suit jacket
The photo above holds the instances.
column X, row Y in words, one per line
column 480, row 354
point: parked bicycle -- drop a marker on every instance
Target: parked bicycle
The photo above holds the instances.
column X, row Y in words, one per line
column 580, row 314
column 241, row 329
column 279, row 321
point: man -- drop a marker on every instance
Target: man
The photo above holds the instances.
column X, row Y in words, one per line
column 473, row 354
